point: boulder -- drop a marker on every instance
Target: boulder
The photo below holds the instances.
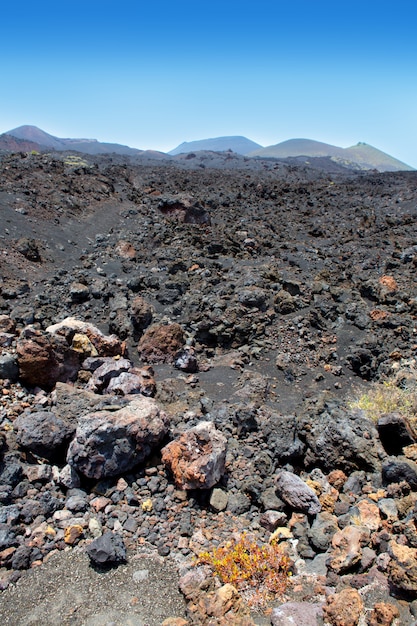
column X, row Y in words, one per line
column 340, row 439
column 347, row 548
column 109, row 549
column 344, row 608
column 161, row 343
column 9, row 367
column 133, row 382
column 44, row 434
column 322, row 531
column 281, row 432
column 397, row 470
column 45, row 358
column 109, row 368
column 110, row 442
column 197, row 458
column 296, row 493
column 105, row 345
column 186, row 361
column 402, row 568
column 7, row 324
column 119, row 377
column 141, row 313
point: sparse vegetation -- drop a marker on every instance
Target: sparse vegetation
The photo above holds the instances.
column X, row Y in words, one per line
column 75, row 161
column 260, row 572
column 387, row 397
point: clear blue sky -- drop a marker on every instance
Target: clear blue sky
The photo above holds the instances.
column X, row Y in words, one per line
column 153, row 74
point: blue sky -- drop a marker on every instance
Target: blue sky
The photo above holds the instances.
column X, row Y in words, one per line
column 154, row 74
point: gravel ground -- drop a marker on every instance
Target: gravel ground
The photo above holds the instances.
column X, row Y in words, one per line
column 67, row 591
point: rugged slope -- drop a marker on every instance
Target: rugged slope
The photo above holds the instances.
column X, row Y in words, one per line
column 291, row 288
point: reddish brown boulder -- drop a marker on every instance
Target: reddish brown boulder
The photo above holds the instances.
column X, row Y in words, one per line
column 7, row 325
column 383, row 614
column 161, row 342
column 402, row 567
column 344, row 608
column 44, row 359
column 197, row 458
column 347, row 548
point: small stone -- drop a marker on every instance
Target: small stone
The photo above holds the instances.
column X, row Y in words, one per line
column 218, row 499
column 72, row 534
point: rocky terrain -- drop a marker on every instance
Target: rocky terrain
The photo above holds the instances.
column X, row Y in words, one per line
column 181, row 343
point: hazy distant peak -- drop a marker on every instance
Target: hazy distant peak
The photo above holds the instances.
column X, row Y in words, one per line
column 362, row 155
column 35, row 134
column 238, row 144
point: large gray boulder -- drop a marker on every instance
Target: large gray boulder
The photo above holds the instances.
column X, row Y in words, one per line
column 44, row 434
column 111, row 442
column 337, row 438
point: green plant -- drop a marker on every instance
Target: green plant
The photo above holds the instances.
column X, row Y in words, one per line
column 387, row 397
column 75, row 161
column 260, row 572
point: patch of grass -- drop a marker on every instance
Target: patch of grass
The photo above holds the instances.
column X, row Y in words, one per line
column 260, row 572
column 387, row 397
column 75, row 161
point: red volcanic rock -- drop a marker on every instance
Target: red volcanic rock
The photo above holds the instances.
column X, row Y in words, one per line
column 347, row 548
column 44, row 359
column 383, row 614
column 403, row 567
column 197, row 458
column 344, row 608
column 161, row 342
column 125, row 250
column 7, row 324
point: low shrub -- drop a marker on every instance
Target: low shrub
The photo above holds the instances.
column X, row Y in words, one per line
column 260, row 572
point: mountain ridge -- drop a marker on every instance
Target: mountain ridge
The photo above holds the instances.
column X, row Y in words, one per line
column 236, row 143
column 360, row 156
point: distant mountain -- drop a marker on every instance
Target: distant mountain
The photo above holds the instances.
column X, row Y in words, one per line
column 298, row 147
column 35, row 134
column 8, row 143
column 89, row 146
column 240, row 145
column 361, row 156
